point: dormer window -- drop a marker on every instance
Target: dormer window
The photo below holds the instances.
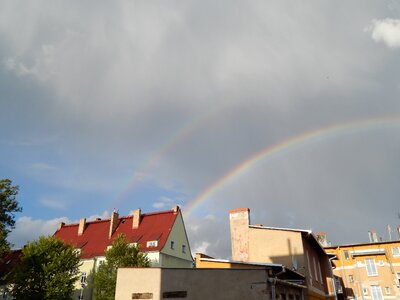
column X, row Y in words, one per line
column 109, row 247
column 78, row 251
column 150, row 244
column 132, row 245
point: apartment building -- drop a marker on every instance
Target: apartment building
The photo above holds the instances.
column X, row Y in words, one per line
column 368, row 270
column 161, row 235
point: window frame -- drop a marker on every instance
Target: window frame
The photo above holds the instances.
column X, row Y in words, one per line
column 370, row 266
column 376, row 292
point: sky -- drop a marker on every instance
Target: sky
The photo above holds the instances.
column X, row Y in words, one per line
column 288, row 108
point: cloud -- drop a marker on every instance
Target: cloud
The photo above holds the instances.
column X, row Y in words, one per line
column 28, row 229
column 386, row 31
column 163, row 202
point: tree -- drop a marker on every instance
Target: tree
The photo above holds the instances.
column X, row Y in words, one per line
column 121, row 254
column 8, row 206
column 48, row 270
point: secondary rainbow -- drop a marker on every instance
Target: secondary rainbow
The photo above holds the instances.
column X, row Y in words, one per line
column 351, row 127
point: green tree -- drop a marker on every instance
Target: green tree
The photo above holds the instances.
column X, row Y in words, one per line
column 8, row 206
column 121, row 254
column 48, row 270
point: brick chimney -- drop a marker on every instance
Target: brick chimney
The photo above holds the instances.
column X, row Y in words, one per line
column 322, row 239
column 82, row 225
column 113, row 223
column 136, row 216
column 239, row 220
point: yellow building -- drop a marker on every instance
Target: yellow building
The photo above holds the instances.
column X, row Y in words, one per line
column 296, row 249
column 368, row 271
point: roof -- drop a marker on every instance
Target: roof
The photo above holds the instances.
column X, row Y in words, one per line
column 364, row 244
column 94, row 240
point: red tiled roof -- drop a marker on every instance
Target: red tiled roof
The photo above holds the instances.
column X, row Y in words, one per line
column 94, row 240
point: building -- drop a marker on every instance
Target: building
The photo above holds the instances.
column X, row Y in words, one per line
column 161, row 235
column 368, row 270
column 295, row 249
column 7, row 263
column 204, row 283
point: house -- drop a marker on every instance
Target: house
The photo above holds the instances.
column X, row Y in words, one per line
column 161, row 235
column 368, row 270
column 7, row 262
column 296, row 249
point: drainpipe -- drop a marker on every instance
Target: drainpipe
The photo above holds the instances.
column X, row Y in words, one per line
column 333, row 276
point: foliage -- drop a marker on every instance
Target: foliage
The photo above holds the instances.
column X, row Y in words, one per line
column 121, row 254
column 48, row 270
column 8, row 206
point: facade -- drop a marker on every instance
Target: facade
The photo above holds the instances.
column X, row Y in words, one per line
column 161, row 235
column 368, row 271
column 296, row 249
column 204, row 283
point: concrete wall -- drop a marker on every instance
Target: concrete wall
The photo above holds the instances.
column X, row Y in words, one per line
column 196, row 284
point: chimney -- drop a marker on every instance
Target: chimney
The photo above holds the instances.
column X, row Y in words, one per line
column 373, row 237
column 60, row 225
column 136, row 216
column 113, row 223
column 239, row 220
column 82, row 225
column 175, row 209
column 322, row 239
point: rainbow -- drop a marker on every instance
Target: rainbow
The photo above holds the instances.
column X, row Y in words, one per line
column 145, row 168
column 353, row 126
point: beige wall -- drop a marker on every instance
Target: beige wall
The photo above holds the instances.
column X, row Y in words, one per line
column 216, row 284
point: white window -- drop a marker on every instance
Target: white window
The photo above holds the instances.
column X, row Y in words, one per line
column 152, row 244
column 387, row 290
column 396, row 251
column 78, row 251
column 183, row 248
column 376, row 292
column 132, row 245
column 371, row 268
column 365, row 291
column 109, row 247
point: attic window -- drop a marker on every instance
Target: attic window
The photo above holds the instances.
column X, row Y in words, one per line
column 78, row 251
column 152, row 244
column 183, row 248
column 109, row 247
column 132, row 244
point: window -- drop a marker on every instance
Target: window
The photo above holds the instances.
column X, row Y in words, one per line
column 398, row 278
column 83, row 278
column 381, row 263
column 132, row 245
column 309, row 266
column 315, row 269
column 183, row 248
column 387, row 290
column 365, row 291
column 109, row 247
column 351, row 279
column 346, row 254
column 152, row 244
column 371, row 268
column 172, row 245
column 78, row 251
column 320, row 274
column 396, row 251
column 376, row 292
